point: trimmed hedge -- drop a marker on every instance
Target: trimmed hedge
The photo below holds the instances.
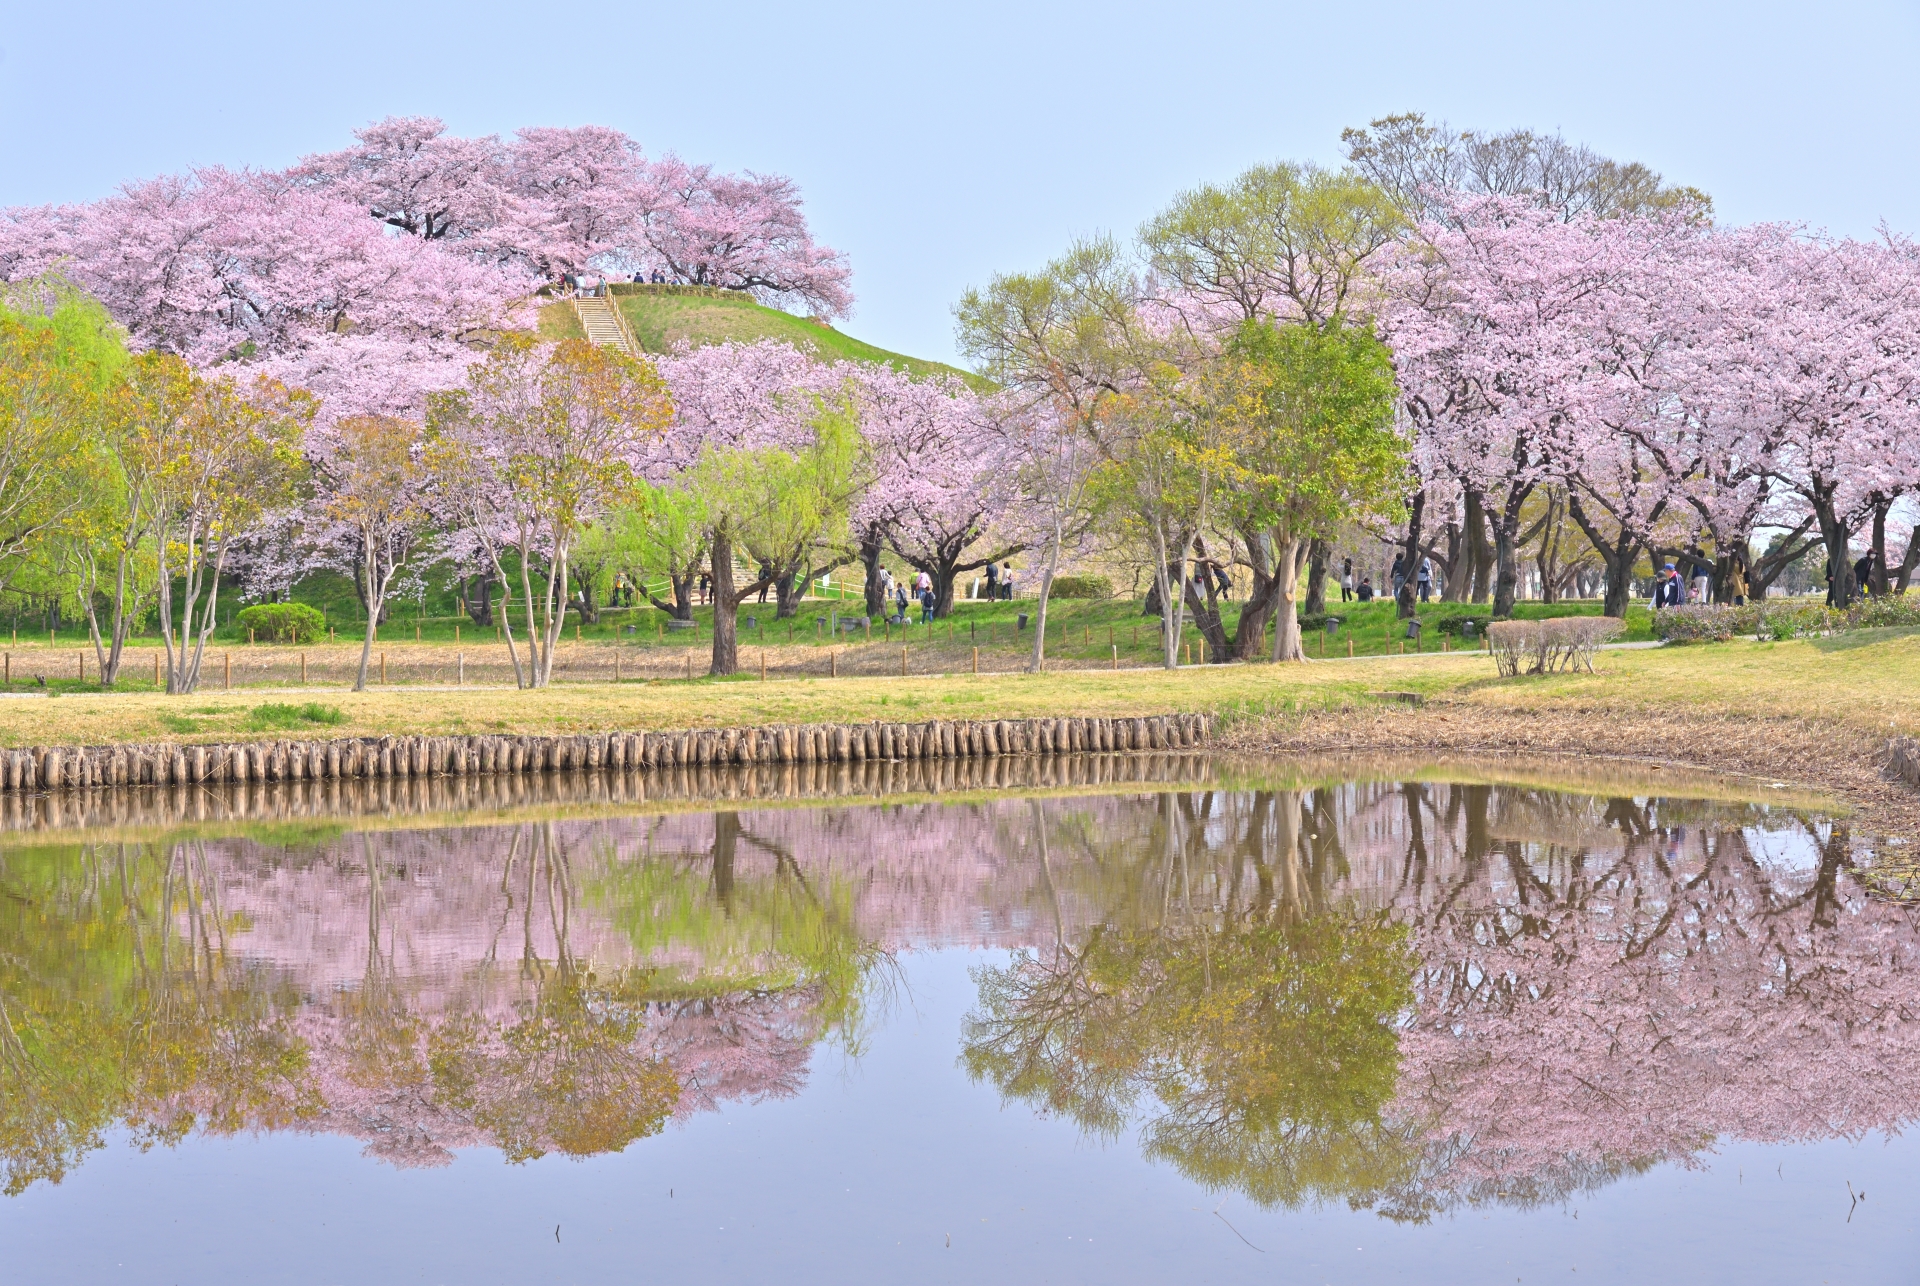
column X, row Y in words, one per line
column 280, row 623
column 1701, row 623
column 1780, row 619
column 1082, row 587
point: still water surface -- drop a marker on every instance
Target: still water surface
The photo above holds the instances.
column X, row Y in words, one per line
column 1265, row 1027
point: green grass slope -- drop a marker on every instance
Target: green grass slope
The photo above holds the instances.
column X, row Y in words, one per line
column 662, row 317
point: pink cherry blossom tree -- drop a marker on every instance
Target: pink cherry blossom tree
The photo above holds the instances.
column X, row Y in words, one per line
column 941, row 479
column 1492, row 316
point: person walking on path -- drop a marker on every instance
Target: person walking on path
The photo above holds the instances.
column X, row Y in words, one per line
column 1426, row 579
column 993, row 582
column 1399, row 574
column 1346, row 581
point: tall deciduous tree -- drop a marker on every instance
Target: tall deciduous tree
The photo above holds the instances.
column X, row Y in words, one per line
column 1319, row 448
column 233, row 455
column 376, row 482
column 541, row 442
column 769, row 502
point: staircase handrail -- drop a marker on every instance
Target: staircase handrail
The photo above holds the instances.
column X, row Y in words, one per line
column 626, row 330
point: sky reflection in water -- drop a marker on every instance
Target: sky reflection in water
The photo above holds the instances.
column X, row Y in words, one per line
column 1327, row 1033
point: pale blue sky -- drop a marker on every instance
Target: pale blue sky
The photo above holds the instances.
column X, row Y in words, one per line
column 936, row 145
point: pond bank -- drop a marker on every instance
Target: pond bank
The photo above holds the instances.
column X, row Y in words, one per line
column 1835, row 758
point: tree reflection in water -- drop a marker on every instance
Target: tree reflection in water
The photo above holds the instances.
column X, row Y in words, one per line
column 468, row 1020
column 1254, row 1034
column 1403, row 995
column 1410, row 997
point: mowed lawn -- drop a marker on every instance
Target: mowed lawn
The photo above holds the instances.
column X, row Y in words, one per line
column 1868, row 682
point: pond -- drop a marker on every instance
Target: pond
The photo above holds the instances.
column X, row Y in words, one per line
column 1105, row 1019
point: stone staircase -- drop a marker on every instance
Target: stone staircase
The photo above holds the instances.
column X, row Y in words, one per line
column 604, row 326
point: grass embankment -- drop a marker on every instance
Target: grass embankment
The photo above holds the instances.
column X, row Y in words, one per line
column 636, row 644
column 662, row 321
column 1867, row 683
column 1813, row 713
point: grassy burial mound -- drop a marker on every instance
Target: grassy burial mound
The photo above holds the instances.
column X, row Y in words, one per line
column 663, row 317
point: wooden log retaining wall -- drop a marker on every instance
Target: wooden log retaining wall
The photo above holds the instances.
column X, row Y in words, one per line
column 718, row 786
column 52, row 768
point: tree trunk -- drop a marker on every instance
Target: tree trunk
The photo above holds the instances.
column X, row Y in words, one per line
column 1547, row 561
column 1288, row 553
column 1506, row 552
column 359, row 588
column 872, row 545
column 589, row 606
column 368, row 595
column 787, row 592
column 476, row 596
column 1479, row 548
column 110, row 655
column 726, row 603
column 1908, row 563
column 556, row 611
column 1206, row 617
column 1459, row 570
column 1038, row 664
column 1842, row 586
column 1407, row 598
column 527, row 603
column 1205, row 611
column 1170, row 580
column 1616, row 556
column 1318, row 552
column 1877, row 577
column 1263, row 591
column 681, row 608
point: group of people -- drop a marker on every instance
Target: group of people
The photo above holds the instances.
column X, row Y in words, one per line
column 589, row 284
column 1363, row 590
column 1000, row 581
column 1673, row 589
column 897, row 590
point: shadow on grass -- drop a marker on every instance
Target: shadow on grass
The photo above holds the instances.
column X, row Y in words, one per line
column 1863, row 638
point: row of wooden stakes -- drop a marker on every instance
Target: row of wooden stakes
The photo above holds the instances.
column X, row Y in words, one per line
column 361, row 758
column 719, row 786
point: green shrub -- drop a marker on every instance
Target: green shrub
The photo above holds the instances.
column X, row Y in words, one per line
column 1779, row 620
column 1082, row 587
column 279, row 715
column 1877, row 613
column 279, row 623
column 1704, row 623
column 1452, row 619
